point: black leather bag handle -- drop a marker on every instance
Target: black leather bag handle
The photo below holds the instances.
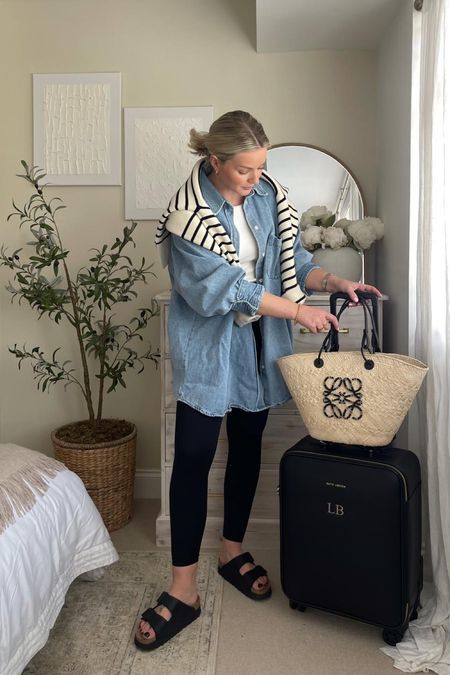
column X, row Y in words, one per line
column 372, row 311
column 371, row 347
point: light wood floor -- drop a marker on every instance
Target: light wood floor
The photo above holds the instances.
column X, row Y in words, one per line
column 269, row 638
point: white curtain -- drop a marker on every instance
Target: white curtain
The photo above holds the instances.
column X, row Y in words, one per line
column 426, row 645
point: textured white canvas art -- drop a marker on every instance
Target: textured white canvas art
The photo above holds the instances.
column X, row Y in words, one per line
column 77, row 128
column 157, row 157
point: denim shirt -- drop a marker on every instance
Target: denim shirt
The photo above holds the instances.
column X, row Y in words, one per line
column 214, row 361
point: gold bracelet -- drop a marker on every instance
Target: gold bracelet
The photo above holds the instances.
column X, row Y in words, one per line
column 324, row 283
column 296, row 316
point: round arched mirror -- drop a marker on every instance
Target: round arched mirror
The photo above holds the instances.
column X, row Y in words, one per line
column 314, row 177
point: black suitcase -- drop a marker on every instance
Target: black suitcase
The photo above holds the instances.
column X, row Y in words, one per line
column 350, row 526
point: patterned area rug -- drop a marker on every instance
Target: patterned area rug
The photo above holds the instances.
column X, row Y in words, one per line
column 94, row 631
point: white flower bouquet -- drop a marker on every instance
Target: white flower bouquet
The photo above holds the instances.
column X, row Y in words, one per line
column 320, row 229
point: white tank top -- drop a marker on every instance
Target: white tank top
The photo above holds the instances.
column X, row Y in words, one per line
column 248, row 255
column 248, row 247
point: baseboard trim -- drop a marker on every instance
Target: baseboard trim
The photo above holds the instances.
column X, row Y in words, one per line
column 147, row 484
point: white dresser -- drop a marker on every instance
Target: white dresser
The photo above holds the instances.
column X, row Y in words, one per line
column 284, row 428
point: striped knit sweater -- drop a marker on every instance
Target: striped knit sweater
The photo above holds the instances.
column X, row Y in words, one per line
column 189, row 216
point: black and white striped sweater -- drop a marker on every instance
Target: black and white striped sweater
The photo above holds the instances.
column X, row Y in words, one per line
column 189, row 216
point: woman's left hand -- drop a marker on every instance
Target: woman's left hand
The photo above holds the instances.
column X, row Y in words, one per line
column 349, row 287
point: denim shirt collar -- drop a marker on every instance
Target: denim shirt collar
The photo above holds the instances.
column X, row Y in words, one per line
column 215, row 200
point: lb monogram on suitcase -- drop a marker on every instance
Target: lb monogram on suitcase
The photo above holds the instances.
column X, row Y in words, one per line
column 350, row 526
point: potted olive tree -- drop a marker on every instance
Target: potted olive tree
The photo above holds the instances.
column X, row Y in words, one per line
column 102, row 451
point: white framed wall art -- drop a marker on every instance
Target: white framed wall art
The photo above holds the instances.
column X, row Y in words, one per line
column 77, row 127
column 157, row 157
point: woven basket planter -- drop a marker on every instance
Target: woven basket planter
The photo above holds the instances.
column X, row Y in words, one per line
column 107, row 471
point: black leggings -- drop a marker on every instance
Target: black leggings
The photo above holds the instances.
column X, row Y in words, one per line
column 196, row 438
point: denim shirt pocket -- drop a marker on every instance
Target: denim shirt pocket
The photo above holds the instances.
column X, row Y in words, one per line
column 272, row 258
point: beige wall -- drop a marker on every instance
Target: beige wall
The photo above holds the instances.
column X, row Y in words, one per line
column 170, row 53
column 393, row 179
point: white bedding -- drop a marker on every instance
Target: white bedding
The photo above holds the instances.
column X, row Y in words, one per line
column 41, row 553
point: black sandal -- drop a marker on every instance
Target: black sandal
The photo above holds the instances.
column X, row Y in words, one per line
column 165, row 629
column 244, row 582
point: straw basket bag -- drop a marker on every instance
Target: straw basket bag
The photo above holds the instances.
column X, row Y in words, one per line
column 358, row 397
column 107, row 471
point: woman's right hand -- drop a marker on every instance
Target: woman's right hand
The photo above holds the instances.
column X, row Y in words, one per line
column 315, row 319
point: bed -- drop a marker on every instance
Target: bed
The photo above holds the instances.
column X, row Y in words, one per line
column 50, row 533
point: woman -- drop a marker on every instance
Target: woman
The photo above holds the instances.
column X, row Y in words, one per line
column 239, row 278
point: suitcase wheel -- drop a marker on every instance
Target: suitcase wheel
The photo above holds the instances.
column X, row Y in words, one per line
column 297, row 606
column 414, row 613
column 391, row 637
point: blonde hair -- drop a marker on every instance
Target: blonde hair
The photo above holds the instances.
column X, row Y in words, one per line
column 233, row 132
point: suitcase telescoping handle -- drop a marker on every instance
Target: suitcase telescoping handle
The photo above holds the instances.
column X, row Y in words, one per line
column 331, row 341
